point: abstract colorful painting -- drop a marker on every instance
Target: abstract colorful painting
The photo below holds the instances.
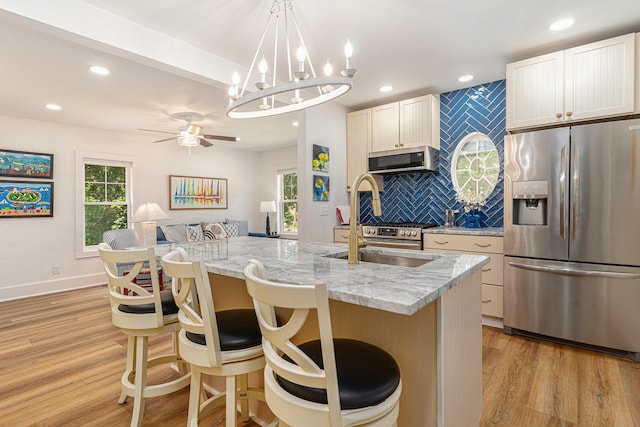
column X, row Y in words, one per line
column 193, row 192
column 321, row 188
column 24, row 164
column 26, row 199
column 320, row 160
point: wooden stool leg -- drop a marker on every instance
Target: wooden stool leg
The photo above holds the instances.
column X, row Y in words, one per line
column 142, row 346
column 243, row 381
column 194, row 398
column 131, row 355
column 231, row 401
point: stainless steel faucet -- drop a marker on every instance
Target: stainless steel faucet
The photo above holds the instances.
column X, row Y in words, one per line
column 356, row 241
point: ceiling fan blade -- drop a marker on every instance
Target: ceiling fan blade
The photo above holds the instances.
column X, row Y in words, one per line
column 220, row 137
column 166, row 139
column 205, row 143
column 153, row 130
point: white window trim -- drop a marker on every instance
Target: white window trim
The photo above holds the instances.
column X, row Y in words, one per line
column 281, row 231
column 96, row 158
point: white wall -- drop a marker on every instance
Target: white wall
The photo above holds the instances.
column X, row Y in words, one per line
column 31, row 246
column 324, row 125
column 269, row 163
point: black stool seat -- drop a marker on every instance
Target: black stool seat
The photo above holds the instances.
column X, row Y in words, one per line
column 168, row 305
column 237, row 329
column 367, row 375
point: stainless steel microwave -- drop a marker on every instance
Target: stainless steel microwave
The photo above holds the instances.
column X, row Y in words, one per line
column 421, row 158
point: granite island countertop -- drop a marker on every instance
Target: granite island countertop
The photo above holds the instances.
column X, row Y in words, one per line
column 403, row 290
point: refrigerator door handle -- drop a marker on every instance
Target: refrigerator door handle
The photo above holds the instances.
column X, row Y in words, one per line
column 576, row 191
column 572, row 272
column 563, row 190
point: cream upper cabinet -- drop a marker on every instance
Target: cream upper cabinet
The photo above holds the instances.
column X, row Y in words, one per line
column 406, row 123
column 358, row 145
column 385, row 127
column 420, row 121
column 591, row 81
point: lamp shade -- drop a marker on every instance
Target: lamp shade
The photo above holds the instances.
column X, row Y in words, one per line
column 268, row 206
column 149, row 212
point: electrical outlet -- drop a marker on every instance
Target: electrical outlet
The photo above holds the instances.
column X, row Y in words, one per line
column 324, row 211
column 56, row 269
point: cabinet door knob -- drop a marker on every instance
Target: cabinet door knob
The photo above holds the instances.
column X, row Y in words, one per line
column 559, row 115
column 401, row 145
column 395, row 145
column 569, row 114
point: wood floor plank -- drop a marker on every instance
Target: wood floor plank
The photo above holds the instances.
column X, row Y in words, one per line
column 630, row 372
column 602, row 398
column 554, row 390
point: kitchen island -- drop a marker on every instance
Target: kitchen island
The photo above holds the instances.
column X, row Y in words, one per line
column 427, row 317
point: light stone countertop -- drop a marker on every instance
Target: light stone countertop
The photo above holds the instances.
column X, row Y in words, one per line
column 484, row 231
column 403, row 290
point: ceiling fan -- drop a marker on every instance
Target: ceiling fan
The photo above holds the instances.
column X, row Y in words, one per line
column 189, row 135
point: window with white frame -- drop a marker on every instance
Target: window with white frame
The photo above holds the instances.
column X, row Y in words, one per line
column 103, row 198
column 288, row 201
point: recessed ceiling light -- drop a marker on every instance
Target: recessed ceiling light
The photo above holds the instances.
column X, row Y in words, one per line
column 295, row 123
column 54, row 107
column 561, row 24
column 386, row 88
column 465, row 78
column 101, row 71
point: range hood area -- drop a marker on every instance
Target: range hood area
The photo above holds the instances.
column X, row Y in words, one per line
column 422, row 158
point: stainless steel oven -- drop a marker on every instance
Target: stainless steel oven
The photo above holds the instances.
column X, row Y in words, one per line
column 404, row 235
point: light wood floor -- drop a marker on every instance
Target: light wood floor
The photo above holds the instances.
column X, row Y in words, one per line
column 61, row 361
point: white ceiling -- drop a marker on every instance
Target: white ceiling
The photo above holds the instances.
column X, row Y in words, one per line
column 417, row 46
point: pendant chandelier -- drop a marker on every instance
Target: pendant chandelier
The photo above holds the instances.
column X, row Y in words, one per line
column 300, row 88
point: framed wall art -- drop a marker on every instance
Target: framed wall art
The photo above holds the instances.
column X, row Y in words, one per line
column 320, row 160
column 24, row 164
column 194, row 192
column 20, row 199
column 321, row 188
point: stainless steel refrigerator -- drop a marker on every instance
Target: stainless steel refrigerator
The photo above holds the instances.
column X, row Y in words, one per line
column 572, row 235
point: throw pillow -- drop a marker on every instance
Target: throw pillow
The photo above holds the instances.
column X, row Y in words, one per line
column 232, row 229
column 213, row 231
column 195, row 233
column 175, row 233
column 243, row 226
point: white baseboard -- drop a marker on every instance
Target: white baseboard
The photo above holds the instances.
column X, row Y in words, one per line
column 51, row 286
column 496, row 322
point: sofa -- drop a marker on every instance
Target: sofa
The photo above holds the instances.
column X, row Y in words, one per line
column 206, row 230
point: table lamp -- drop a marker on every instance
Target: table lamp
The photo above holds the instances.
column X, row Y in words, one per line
column 148, row 213
column 268, row 206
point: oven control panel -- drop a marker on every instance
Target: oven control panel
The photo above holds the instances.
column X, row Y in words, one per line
column 403, row 233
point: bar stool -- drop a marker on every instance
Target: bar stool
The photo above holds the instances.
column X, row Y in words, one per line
column 140, row 313
column 226, row 343
column 326, row 382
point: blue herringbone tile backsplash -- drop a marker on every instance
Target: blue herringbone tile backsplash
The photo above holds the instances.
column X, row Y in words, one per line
column 423, row 197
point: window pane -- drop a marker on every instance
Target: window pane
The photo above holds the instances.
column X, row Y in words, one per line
column 100, row 218
column 94, row 193
column 94, row 173
column 290, row 213
column 116, row 192
column 116, row 174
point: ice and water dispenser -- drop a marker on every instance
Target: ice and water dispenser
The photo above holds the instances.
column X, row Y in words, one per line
column 530, row 202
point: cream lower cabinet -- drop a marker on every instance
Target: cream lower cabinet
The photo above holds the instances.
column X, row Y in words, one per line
column 340, row 235
column 490, row 246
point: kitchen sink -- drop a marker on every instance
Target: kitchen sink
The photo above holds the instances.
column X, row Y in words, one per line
column 378, row 258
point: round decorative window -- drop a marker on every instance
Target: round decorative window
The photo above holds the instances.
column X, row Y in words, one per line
column 475, row 167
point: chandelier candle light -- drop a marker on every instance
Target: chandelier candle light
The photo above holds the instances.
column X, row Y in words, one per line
column 148, row 214
column 301, row 89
